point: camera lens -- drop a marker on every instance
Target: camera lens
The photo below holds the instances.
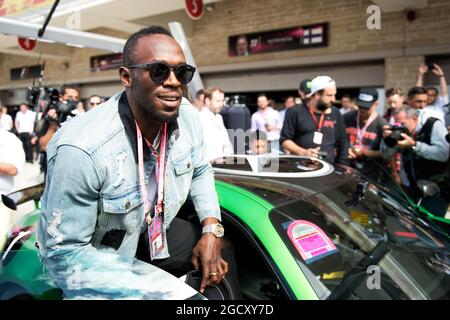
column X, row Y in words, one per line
column 392, row 139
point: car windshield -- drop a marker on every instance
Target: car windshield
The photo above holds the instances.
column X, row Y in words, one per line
column 370, row 249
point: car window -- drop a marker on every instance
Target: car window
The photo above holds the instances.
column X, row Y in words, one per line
column 414, row 265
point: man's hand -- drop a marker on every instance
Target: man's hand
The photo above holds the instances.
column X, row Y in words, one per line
column 438, row 71
column 359, row 151
column 312, row 152
column 407, row 142
column 351, row 154
column 423, row 69
column 52, row 114
column 386, row 131
column 207, row 252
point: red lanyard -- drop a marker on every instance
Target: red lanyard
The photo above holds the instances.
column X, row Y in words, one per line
column 161, row 170
column 361, row 132
column 319, row 124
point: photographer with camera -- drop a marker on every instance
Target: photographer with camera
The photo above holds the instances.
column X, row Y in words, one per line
column 424, row 155
column 60, row 105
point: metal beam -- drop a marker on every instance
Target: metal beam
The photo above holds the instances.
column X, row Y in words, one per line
column 61, row 35
column 178, row 33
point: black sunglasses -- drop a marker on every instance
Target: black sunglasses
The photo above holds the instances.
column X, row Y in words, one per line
column 160, row 71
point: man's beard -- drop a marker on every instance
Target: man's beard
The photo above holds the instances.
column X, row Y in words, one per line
column 158, row 116
column 162, row 117
column 322, row 106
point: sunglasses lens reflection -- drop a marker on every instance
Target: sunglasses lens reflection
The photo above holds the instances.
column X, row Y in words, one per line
column 160, row 72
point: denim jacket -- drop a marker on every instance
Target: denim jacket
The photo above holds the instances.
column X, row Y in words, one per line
column 92, row 208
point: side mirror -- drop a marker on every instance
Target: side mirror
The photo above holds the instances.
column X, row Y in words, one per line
column 9, row 203
column 427, row 188
column 16, row 198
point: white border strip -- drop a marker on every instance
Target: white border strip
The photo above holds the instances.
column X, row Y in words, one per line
column 325, row 170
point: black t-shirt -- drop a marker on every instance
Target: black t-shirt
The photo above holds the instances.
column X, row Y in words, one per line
column 374, row 132
column 300, row 127
column 371, row 139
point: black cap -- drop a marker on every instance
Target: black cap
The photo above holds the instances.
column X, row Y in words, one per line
column 366, row 98
column 305, row 86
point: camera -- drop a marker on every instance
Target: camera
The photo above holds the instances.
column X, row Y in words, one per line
column 395, row 136
column 50, row 100
column 430, row 66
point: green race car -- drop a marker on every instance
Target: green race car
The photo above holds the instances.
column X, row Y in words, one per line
column 301, row 229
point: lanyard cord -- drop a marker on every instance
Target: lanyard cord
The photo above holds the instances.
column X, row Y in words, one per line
column 318, row 124
column 361, row 132
column 160, row 167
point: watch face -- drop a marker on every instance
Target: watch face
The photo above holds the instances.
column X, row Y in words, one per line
column 219, row 231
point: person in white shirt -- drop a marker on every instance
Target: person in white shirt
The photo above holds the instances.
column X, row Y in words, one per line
column 6, row 122
column 436, row 99
column 217, row 141
column 347, row 104
column 199, row 100
column 24, row 122
column 12, row 158
column 417, row 99
column 395, row 99
column 268, row 120
column 79, row 110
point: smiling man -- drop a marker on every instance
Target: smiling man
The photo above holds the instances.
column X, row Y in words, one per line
column 118, row 176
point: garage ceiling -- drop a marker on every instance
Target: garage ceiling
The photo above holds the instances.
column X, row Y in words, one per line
column 86, row 15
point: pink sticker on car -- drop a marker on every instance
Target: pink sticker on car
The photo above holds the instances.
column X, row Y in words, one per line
column 310, row 241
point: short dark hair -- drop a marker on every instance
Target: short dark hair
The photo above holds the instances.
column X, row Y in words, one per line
column 261, row 95
column 434, row 89
column 66, row 87
column 130, row 45
column 209, row 92
column 257, row 135
column 393, row 91
column 95, row 96
column 346, row 95
column 199, row 93
column 288, row 97
column 416, row 90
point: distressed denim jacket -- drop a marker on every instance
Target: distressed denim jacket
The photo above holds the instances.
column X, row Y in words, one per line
column 92, row 208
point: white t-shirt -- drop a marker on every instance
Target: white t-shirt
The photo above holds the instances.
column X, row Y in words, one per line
column 434, row 110
column 25, row 121
column 11, row 152
column 270, row 117
column 440, row 102
column 6, row 122
column 216, row 137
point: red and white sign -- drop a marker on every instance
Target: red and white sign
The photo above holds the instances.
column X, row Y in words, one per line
column 194, row 8
column 27, row 44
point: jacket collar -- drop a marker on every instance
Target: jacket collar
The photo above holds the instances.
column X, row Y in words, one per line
column 126, row 116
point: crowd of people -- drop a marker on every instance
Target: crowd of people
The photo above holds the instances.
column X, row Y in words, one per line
column 408, row 143
column 31, row 131
column 105, row 203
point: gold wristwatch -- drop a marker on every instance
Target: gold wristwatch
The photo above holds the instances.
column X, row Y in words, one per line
column 215, row 228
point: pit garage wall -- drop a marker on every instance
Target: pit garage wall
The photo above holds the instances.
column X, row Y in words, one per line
column 364, row 75
column 351, row 44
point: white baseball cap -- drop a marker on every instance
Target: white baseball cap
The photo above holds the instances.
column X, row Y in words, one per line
column 320, row 83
